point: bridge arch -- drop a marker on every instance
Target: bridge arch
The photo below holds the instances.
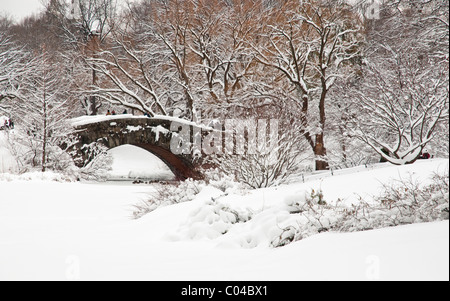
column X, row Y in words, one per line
column 151, row 134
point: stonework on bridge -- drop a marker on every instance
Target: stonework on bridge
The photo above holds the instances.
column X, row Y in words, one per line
column 152, row 134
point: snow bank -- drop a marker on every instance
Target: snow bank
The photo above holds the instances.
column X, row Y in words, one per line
column 36, row 176
column 275, row 217
column 351, row 185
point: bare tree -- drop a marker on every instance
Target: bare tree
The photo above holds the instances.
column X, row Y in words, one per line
column 44, row 108
column 269, row 160
column 223, row 59
column 399, row 111
column 12, row 67
column 147, row 66
column 134, row 78
column 171, row 23
column 403, row 96
column 86, row 26
column 308, row 43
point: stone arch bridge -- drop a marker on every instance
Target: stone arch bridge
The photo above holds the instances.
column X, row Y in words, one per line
column 156, row 135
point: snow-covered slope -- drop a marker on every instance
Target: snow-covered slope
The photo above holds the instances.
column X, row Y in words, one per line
column 56, row 231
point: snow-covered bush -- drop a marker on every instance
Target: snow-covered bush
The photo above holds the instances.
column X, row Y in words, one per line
column 408, row 201
column 26, row 153
column 167, row 194
column 212, row 219
column 305, row 213
column 173, row 193
column 268, row 166
column 97, row 169
column 60, row 161
column 224, row 182
column 90, row 152
column 403, row 202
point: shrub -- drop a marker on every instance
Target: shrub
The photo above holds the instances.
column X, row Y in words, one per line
column 400, row 202
column 167, row 194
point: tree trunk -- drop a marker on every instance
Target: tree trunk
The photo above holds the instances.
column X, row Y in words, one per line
column 44, row 143
column 319, row 152
column 94, row 106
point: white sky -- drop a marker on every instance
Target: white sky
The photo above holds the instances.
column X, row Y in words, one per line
column 19, row 9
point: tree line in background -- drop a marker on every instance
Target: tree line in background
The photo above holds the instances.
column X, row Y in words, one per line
column 347, row 87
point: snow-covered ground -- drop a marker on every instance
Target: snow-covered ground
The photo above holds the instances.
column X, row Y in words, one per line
column 53, row 230
column 7, row 162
